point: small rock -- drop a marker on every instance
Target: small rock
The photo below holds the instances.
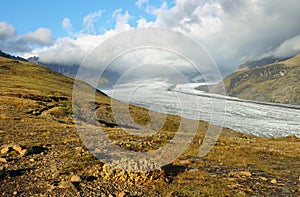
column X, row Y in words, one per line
column 121, row 194
column 234, row 186
column 50, row 187
column 24, row 152
column 281, row 184
column 273, row 181
column 17, row 148
column 79, row 149
column 4, row 150
column 168, row 180
column 193, row 169
column 65, row 185
column 75, row 179
column 231, row 179
column 263, row 178
column 248, row 190
column 15, row 193
column 245, row 173
column 184, row 162
column 32, row 160
column 3, row 160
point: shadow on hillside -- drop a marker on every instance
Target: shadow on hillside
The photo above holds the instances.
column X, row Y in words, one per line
column 37, row 150
column 19, row 172
column 114, row 125
column 171, row 171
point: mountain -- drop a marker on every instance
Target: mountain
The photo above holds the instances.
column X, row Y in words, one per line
column 6, row 55
column 268, row 80
column 108, row 78
column 67, row 70
column 277, row 82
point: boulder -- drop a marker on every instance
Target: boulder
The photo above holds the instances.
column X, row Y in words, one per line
column 75, row 179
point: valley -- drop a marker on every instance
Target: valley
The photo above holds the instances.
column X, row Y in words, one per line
column 36, row 115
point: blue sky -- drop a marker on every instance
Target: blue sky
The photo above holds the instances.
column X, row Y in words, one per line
column 29, row 15
column 232, row 32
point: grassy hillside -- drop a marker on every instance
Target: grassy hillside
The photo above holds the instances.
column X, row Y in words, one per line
column 278, row 82
column 42, row 154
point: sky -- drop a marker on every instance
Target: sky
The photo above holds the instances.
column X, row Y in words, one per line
column 232, row 31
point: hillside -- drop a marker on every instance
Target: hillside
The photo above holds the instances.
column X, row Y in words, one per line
column 277, row 82
column 258, row 63
column 41, row 153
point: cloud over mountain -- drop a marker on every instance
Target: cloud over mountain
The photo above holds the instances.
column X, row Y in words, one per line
column 11, row 41
column 7, row 31
column 288, row 48
column 233, row 30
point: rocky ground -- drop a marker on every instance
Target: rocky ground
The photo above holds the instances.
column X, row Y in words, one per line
column 43, row 157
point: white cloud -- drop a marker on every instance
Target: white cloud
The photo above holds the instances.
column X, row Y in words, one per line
column 67, row 50
column 184, row 12
column 121, row 20
column 7, row 31
column 14, row 43
column 232, row 30
column 142, row 22
column 72, row 50
column 41, row 36
column 288, row 48
column 89, row 22
column 66, row 24
column 141, row 3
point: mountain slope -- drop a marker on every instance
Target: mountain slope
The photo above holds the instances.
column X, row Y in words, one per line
column 277, row 82
column 41, row 153
column 258, row 63
column 108, row 78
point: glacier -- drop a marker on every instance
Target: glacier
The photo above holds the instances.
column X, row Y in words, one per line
column 257, row 118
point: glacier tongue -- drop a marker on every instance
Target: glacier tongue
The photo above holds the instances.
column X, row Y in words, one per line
column 267, row 120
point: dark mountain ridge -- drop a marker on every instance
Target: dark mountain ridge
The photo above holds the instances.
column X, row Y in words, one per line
column 261, row 62
column 6, row 55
